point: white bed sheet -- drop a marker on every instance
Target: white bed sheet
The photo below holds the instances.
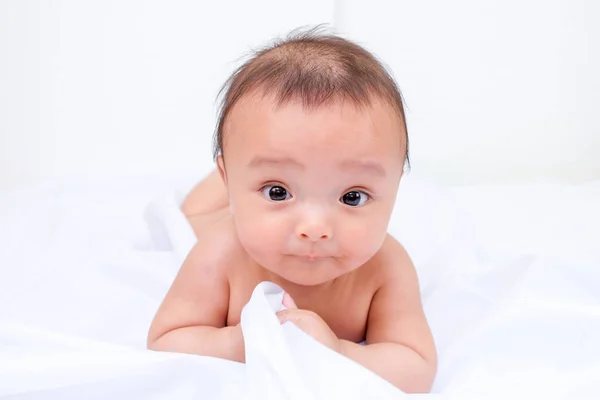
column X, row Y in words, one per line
column 510, row 278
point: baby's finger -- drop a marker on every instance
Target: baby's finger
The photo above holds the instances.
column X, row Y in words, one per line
column 291, row 315
column 288, row 301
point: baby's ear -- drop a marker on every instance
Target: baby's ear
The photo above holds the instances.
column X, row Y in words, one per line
column 221, row 167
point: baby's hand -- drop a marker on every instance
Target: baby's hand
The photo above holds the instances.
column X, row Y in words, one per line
column 310, row 322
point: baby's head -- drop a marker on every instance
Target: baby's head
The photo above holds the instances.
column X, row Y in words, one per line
column 311, row 144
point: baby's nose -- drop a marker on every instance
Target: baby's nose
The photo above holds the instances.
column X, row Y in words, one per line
column 313, row 237
column 314, row 231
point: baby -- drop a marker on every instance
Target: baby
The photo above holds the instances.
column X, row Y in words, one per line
column 311, row 144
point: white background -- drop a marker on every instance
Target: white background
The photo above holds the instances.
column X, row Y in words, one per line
column 497, row 91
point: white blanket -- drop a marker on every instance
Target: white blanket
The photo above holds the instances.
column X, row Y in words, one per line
column 83, row 269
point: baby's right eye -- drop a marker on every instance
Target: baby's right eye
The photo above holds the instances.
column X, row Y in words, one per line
column 276, row 193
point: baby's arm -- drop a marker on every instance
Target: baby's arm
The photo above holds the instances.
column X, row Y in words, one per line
column 400, row 347
column 192, row 317
column 208, row 196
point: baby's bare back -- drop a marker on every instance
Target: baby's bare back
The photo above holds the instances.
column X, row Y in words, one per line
column 343, row 304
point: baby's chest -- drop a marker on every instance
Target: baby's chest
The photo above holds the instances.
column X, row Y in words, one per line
column 348, row 320
column 347, row 317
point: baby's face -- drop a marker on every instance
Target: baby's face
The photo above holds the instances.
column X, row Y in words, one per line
column 311, row 191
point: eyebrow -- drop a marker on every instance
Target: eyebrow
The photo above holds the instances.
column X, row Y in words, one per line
column 260, row 161
column 370, row 167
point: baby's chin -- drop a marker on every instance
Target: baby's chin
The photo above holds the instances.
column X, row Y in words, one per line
column 308, row 272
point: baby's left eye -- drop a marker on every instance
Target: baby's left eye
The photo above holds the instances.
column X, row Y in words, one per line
column 354, row 198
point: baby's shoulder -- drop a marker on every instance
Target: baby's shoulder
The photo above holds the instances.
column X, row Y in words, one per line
column 219, row 249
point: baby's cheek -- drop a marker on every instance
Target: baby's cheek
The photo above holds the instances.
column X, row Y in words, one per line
column 259, row 234
column 364, row 240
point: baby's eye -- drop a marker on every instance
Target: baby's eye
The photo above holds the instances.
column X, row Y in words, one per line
column 276, row 193
column 354, row 198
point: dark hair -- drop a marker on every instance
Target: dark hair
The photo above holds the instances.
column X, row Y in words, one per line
column 315, row 69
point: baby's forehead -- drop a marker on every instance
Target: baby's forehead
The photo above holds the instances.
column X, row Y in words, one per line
column 290, row 130
column 264, row 106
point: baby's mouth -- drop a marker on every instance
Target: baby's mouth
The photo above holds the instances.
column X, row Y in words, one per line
column 312, row 257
